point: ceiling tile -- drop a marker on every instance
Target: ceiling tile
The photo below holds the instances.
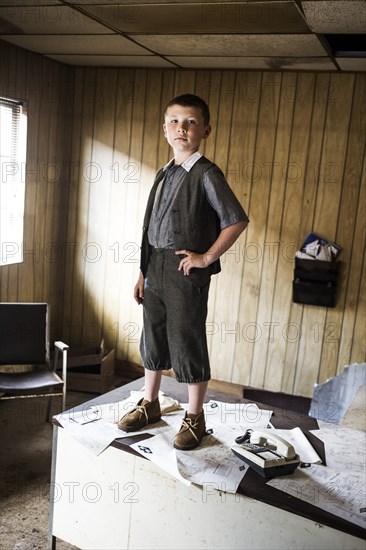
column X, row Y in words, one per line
column 114, row 61
column 226, row 17
column 271, row 63
column 258, row 34
column 47, row 20
column 352, row 64
column 259, row 45
column 77, row 44
column 339, row 16
column 33, row 3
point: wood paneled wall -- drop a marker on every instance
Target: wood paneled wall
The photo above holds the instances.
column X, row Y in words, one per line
column 292, row 146
column 47, row 88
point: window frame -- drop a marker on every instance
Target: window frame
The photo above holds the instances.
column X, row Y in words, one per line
column 12, row 179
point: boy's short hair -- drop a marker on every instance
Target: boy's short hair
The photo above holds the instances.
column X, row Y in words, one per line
column 191, row 100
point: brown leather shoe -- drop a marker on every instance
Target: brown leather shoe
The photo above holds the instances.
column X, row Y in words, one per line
column 191, row 432
column 145, row 412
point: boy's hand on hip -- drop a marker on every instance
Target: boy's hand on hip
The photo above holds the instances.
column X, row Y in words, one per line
column 138, row 291
column 191, row 260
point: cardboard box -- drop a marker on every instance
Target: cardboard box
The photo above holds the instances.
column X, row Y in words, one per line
column 91, row 370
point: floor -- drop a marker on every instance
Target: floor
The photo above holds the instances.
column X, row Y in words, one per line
column 25, row 460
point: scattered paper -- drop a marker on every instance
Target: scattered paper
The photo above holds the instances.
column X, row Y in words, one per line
column 159, row 450
column 341, row 493
column 345, row 449
column 339, row 487
column 233, row 419
column 212, row 464
column 95, row 426
column 331, row 399
column 301, row 444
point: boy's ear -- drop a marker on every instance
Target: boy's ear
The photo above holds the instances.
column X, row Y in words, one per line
column 207, row 132
column 164, row 129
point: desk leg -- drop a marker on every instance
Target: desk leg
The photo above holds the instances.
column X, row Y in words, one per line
column 51, row 538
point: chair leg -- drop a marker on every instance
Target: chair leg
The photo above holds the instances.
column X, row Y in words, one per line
column 47, row 419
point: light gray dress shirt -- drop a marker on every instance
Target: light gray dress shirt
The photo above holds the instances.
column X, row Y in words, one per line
column 218, row 194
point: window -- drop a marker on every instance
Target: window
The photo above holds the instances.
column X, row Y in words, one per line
column 13, row 138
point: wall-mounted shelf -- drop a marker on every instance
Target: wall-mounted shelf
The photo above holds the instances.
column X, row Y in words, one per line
column 315, row 282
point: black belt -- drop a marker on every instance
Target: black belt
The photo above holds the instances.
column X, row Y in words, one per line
column 162, row 250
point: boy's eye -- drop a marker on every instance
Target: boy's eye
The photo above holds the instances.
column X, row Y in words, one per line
column 191, row 121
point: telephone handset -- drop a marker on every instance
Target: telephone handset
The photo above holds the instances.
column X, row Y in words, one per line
column 268, row 438
column 267, row 453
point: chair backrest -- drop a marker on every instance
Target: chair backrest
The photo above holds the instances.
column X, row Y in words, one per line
column 23, row 333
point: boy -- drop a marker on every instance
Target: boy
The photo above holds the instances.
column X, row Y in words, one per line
column 192, row 218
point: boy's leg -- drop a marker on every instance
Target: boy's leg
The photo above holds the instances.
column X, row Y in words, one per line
column 186, row 307
column 196, row 397
column 152, row 384
column 154, row 352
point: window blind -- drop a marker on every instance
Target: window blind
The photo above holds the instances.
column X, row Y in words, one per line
column 13, row 131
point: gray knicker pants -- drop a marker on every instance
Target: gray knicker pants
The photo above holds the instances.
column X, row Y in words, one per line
column 174, row 315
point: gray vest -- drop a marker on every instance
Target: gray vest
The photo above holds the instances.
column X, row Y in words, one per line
column 196, row 225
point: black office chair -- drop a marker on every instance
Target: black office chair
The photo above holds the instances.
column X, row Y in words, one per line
column 24, row 341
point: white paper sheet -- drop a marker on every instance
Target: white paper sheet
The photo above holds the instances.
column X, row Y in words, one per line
column 331, row 399
column 159, row 450
column 212, row 464
column 340, row 493
column 95, row 426
column 301, row 444
column 345, row 448
column 339, row 487
column 233, row 419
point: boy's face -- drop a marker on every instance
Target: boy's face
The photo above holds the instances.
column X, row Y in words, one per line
column 184, row 129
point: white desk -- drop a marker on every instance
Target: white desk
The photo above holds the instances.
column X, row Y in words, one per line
column 121, row 501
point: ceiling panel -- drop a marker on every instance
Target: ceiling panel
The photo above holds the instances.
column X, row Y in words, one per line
column 46, row 20
column 263, row 63
column 329, row 17
column 114, row 61
column 114, row 44
column 348, row 64
column 32, row 3
column 247, row 45
column 260, row 34
column 226, row 17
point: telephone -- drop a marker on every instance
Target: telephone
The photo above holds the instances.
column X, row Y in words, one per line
column 267, row 453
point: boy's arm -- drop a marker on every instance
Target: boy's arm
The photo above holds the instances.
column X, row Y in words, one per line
column 138, row 291
column 224, row 241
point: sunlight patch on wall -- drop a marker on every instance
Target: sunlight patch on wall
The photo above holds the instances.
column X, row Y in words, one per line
column 113, row 190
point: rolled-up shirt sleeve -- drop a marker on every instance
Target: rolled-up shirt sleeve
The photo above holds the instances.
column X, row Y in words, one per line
column 222, row 199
